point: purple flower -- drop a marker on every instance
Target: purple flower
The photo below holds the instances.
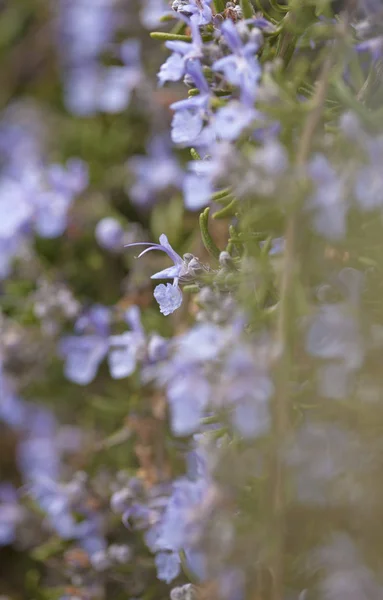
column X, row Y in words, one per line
column 185, row 59
column 110, row 234
column 197, row 189
column 374, row 46
column 169, row 297
column 91, row 87
column 154, row 173
column 201, row 8
column 125, row 348
column 241, row 68
column 119, row 82
column 232, row 119
column 152, row 11
column 188, row 396
column 189, row 119
column 368, row 187
column 11, row 514
column 247, row 393
column 334, row 334
column 69, row 180
column 83, row 354
column 84, row 30
column 168, row 566
column 51, row 206
column 173, row 68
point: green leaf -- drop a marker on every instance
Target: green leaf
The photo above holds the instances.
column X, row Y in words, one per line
column 247, row 9
column 208, row 241
column 228, row 211
column 219, row 5
column 194, row 154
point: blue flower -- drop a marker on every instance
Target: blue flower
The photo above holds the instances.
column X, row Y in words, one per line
column 168, row 566
column 169, row 297
column 91, row 87
column 119, row 82
column 241, row 68
column 152, row 11
column 110, row 234
column 334, row 335
column 374, row 46
column 154, row 173
column 189, row 119
column 173, row 68
column 185, row 58
column 368, row 187
column 188, row 395
column 180, row 518
column 201, row 8
column 11, row 514
column 247, row 393
column 232, row 119
column 83, row 354
column 126, row 347
column 197, row 187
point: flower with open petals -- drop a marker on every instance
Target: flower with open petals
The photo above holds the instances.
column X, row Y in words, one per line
column 169, row 297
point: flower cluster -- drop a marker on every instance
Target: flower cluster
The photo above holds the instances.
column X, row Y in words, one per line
column 246, row 406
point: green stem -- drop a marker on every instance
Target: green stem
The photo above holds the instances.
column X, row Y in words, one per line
column 284, row 338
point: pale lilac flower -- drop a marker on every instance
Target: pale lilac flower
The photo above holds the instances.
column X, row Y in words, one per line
column 168, row 566
column 201, row 8
column 188, row 395
column 185, row 58
column 92, row 87
column 241, row 68
column 154, row 173
column 11, row 514
column 110, row 234
column 189, row 119
column 83, row 354
column 198, row 187
column 152, row 11
column 230, row 120
column 126, row 347
column 118, row 82
column 169, row 297
column 334, row 334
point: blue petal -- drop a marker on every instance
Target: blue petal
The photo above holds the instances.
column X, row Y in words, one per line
column 231, row 119
column 122, row 362
column 168, row 566
column 169, row 298
column 197, row 191
column 169, row 273
column 83, row 356
column 251, row 418
column 173, row 69
column 186, row 126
